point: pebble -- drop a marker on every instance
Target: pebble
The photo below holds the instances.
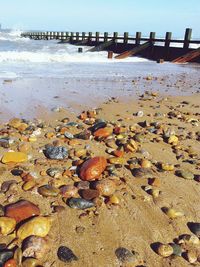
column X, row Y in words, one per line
column 54, row 172
column 65, row 254
column 106, row 187
column 10, row 263
column 98, row 125
column 165, row 250
column 93, row 168
column 186, row 174
column 142, row 172
column 177, row 250
column 16, row 172
column 36, row 247
column 56, row 152
column 4, row 142
column 124, row 255
column 7, row 225
column 38, row 226
column 195, row 228
column 48, row 191
column 103, row 132
column 15, row 157
column 189, row 239
column 80, row 203
column 191, row 256
column 31, row 263
column 172, row 213
column 68, row 191
column 5, row 256
column 21, row 210
column 89, row 194
column 6, row 185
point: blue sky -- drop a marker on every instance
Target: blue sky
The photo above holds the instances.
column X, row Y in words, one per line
column 103, row 15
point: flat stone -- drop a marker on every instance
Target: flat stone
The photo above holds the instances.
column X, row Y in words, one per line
column 56, row 152
column 4, row 256
column 89, row 194
column 15, row 157
column 21, row 210
column 65, row 254
column 125, row 255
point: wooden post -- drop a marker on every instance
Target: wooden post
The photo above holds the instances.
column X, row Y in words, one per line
column 125, row 37
column 77, row 36
column 168, row 38
column 90, row 37
column 72, row 37
column 80, row 50
column 188, row 35
column 83, row 35
column 110, row 54
column 115, row 35
column 97, row 37
column 105, row 37
column 67, row 34
column 138, row 37
column 152, row 37
column 152, row 42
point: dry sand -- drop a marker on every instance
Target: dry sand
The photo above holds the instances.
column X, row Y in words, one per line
column 138, row 221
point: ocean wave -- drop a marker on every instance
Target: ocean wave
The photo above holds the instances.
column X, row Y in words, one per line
column 60, row 56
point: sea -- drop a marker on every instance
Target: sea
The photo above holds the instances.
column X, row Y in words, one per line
column 48, row 73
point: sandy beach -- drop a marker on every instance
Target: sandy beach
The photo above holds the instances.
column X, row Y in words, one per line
column 145, row 194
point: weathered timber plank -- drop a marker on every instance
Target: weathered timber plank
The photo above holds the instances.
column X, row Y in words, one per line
column 83, row 42
column 188, row 56
column 133, row 51
column 64, row 41
column 101, row 46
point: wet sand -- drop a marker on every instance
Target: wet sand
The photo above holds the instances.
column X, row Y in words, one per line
column 137, row 222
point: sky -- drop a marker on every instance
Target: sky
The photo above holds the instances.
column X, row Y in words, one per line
column 103, row 15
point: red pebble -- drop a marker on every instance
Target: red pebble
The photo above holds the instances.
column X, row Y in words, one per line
column 21, row 210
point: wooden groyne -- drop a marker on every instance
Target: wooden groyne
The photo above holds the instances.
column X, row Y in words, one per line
column 125, row 45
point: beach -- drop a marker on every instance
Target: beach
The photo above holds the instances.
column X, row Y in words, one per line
column 150, row 141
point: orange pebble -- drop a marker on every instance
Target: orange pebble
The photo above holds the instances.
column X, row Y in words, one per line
column 118, row 153
column 10, row 263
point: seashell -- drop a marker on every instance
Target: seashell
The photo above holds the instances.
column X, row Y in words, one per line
column 65, row 254
column 126, row 256
column 172, row 213
column 165, row 250
column 68, row 191
column 36, row 247
column 93, row 168
column 106, row 187
column 21, row 210
column 31, row 263
column 38, row 226
column 80, row 203
column 7, row 225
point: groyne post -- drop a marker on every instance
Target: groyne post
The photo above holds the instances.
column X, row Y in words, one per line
column 105, row 37
column 168, row 38
column 187, row 38
column 125, row 37
column 138, row 38
column 97, row 37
